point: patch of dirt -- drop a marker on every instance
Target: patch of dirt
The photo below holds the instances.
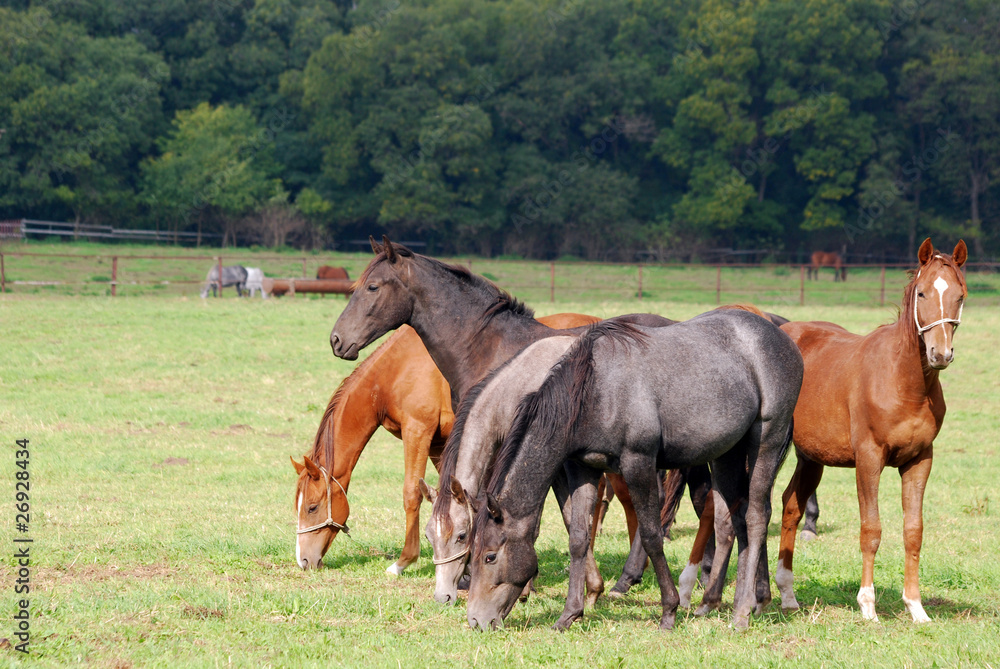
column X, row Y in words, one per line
column 791, row 646
column 234, row 430
column 171, row 461
column 282, row 435
column 203, row 612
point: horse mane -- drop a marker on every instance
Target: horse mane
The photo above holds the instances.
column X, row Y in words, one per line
column 501, row 301
column 556, row 406
column 323, row 444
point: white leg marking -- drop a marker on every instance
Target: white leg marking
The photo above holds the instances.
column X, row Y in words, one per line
column 783, row 578
column 298, row 550
column 866, row 598
column 686, row 582
column 916, row 610
column 394, row 569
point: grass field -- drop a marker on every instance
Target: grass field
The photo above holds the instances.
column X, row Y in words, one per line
column 162, row 510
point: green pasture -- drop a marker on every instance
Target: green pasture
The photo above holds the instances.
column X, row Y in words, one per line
column 162, row 511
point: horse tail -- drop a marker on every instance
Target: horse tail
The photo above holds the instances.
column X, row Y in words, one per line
column 673, row 493
column 554, row 409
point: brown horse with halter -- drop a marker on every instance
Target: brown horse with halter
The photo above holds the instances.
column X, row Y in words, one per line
column 824, row 259
column 397, row 387
column 874, row 401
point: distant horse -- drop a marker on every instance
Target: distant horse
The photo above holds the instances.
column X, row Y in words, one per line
column 328, row 272
column 824, row 259
column 399, row 388
column 232, row 275
column 874, row 401
column 718, row 388
column 468, row 325
column 255, row 277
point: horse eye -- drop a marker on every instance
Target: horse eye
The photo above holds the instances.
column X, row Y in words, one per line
column 490, row 558
column 461, row 537
column 312, row 509
column 372, row 287
column 920, row 294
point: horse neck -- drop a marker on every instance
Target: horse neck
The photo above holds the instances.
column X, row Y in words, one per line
column 354, row 421
column 529, row 478
column 915, row 376
column 463, row 349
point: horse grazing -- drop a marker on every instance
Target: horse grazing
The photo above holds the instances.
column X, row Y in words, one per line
column 232, row 275
column 255, row 279
column 328, row 272
column 824, row 259
column 874, row 401
column 718, row 388
column 467, row 323
column 399, row 388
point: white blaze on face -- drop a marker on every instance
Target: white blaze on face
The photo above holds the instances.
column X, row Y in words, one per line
column 298, row 549
column 941, row 286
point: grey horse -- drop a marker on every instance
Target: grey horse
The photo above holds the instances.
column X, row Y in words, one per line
column 255, row 279
column 232, row 275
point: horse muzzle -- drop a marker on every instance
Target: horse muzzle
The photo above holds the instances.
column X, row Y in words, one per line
column 938, row 359
column 340, row 350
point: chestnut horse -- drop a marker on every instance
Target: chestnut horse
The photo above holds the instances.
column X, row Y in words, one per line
column 399, row 388
column 329, row 272
column 823, row 259
column 875, row 401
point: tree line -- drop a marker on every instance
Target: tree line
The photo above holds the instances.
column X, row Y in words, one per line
column 597, row 129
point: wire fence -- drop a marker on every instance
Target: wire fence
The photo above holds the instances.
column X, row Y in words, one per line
column 111, row 274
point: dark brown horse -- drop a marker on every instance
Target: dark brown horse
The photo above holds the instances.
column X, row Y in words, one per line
column 824, row 259
column 875, row 401
column 399, row 388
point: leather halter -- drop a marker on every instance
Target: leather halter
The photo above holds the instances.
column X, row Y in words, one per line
column 329, row 522
column 456, row 556
column 921, row 329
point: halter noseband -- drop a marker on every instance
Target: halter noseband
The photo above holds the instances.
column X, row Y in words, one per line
column 456, row 556
column 329, row 522
column 921, row 329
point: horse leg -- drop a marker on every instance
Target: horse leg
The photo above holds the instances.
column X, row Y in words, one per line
column 809, row 531
column 727, row 480
column 803, row 484
column 914, row 476
column 869, row 469
column 604, row 494
column 416, row 449
column 583, row 485
column 563, row 489
column 621, row 492
column 700, row 487
column 706, row 531
column 641, row 476
column 635, row 565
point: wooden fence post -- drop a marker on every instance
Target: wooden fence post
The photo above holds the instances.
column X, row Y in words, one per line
column 114, row 276
column 640, row 282
column 802, row 285
column 220, row 276
column 718, row 284
column 304, row 275
column 552, row 281
column 881, row 299
column 3, row 277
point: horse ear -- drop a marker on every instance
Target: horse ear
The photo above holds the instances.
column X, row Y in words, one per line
column 376, row 249
column 925, row 252
column 298, row 467
column 390, row 253
column 493, row 506
column 312, row 468
column 475, row 502
column 961, row 253
column 457, row 491
column 429, row 493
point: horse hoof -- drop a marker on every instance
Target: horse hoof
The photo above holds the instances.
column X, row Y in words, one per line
column 564, row 624
column 615, row 594
column 591, row 600
column 807, row 535
column 667, row 623
column 394, row 569
column 741, row 623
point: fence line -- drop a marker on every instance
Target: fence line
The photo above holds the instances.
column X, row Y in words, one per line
column 639, row 280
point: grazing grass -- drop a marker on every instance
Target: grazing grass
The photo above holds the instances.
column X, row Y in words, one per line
column 164, row 530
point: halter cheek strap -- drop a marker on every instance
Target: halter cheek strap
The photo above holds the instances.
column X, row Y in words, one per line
column 456, row 556
column 329, row 522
